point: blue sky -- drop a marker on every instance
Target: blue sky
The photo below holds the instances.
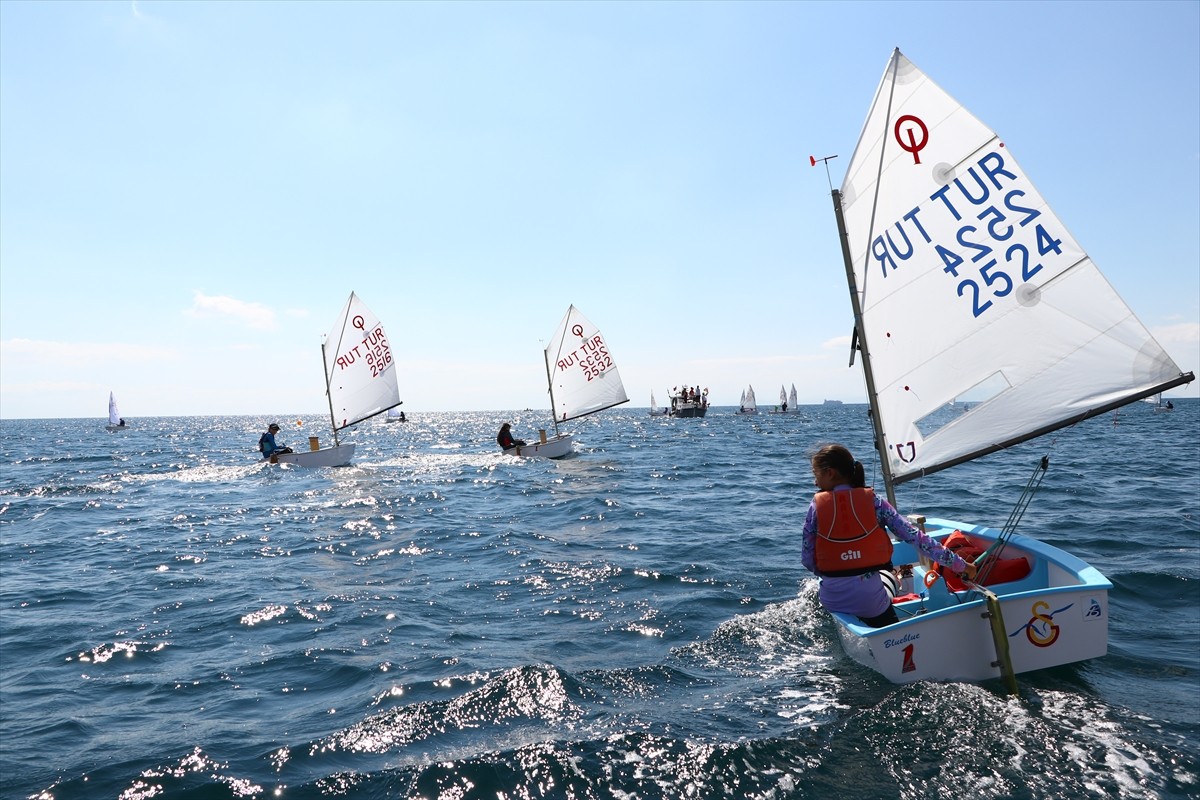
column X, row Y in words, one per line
column 190, row 191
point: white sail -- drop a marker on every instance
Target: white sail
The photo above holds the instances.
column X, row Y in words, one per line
column 114, row 416
column 360, row 369
column 583, row 376
column 972, row 290
column 653, row 405
column 749, row 404
column 742, row 402
column 782, row 396
column 792, row 399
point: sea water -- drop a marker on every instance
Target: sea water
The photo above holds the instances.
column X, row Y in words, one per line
column 443, row 621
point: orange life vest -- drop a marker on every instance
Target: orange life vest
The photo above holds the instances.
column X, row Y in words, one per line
column 849, row 538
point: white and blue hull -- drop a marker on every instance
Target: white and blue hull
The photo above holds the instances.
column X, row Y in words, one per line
column 1057, row 614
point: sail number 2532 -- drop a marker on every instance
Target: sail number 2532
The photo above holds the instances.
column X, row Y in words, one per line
column 982, row 247
column 596, row 362
column 591, row 356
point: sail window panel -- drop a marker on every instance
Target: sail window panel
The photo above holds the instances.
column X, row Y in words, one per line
column 954, row 409
column 1038, row 400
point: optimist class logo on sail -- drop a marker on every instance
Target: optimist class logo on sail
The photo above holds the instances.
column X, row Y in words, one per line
column 988, row 230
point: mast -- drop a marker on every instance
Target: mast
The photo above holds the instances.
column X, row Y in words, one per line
column 860, row 342
column 550, row 386
column 329, row 394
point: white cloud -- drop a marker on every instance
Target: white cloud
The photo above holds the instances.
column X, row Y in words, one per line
column 1182, row 333
column 76, row 353
column 252, row 315
column 754, row 361
column 837, row 343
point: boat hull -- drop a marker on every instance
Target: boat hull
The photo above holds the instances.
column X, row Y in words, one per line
column 688, row 405
column 553, row 447
column 1057, row 614
column 116, row 427
column 687, row 408
column 338, row 456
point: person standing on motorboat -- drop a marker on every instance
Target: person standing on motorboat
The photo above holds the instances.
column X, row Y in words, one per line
column 845, row 540
column 505, row 438
column 267, row 444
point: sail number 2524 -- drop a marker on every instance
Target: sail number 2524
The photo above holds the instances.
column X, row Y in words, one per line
column 986, row 228
column 982, row 247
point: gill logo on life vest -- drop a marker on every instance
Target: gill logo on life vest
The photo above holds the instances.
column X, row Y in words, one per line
column 1041, row 631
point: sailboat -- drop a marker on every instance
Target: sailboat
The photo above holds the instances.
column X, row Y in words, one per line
column 748, row 405
column 782, row 408
column 1159, row 405
column 395, row 415
column 115, row 422
column 965, row 286
column 655, row 411
column 583, row 379
column 792, row 406
column 360, row 382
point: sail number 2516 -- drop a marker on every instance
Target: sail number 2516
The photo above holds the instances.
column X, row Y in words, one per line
column 985, row 244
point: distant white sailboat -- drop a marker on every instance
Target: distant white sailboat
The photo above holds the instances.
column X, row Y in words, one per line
column 395, row 415
column 782, row 408
column 582, row 378
column 655, row 411
column 360, row 382
column 748, row 405
column 1159, row 405
column 115, row 422
column 793, row 407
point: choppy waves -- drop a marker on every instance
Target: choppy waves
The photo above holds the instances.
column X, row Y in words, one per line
column 443, row 621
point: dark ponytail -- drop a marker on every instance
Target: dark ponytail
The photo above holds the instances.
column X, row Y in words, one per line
column 858, row 477
column 838, row 458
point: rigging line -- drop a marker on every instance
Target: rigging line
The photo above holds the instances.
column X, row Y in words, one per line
column 895, row 68
column 337, row 348
column 1014, row 519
